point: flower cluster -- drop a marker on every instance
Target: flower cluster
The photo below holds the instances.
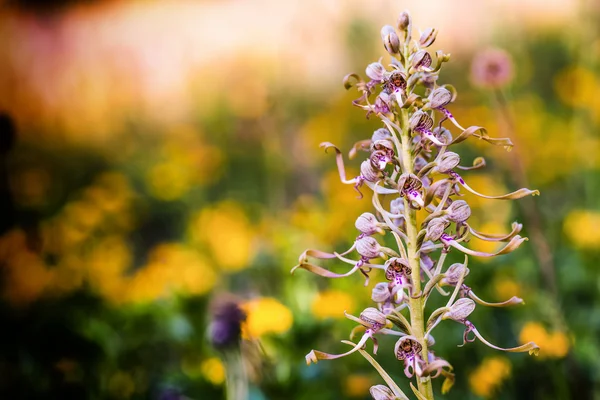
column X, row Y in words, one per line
column 408, row 161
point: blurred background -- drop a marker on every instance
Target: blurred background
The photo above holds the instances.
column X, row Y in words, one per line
column 159, row 156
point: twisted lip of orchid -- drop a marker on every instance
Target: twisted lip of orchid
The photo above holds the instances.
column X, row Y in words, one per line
column 414, row 195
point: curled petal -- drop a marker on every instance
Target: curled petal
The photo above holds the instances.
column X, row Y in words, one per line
column 315, row 269
column 314, row 356
column 322, row 254
column 511, row 246
column 530, row 347
column 360, row 145
column 347, row 80
column 437, row 366
column 510, row 302
column 381, row 190
column 339, row 159
column 481, row 133
column 490, row 237
column 479, row 162
column 509, row 196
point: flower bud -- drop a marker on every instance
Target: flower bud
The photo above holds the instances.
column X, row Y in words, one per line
column 390, row 38
column 458, row 211
column 420, row 162
column 368, row 247
column 375, row 71
column 373, row 318
column 407, row 346
column 428, row 37
column 420, row 121
column 381, row 392
column 368, row 172
column 381, row 134
column 397, row 206
column 440, row 97
column 403, row 21
column 448, row 161
column 430, row 341
column 460, row 310
column 397, row 266
column 381, row 293
column 367, row 223
column 435, row 228
column 421, row 59
column 453, row 274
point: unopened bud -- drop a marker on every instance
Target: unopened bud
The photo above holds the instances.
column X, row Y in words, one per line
column 428, row 37
column 420, row 120
column 368, row 247
column 381, row 134
column 460, row 310
column 448, row 161
column 373, row 318
column 458, row 211
column 435, row 228
column 403, row 21
column 381, row 392
column 454, row 273
column 392, row 43
column 421, row 59
column 381, row 293
column 397, row 206
column 367, row 223
column 440, row 97
column 375, row 71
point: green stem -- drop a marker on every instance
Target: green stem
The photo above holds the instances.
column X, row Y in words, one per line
column 417, row 320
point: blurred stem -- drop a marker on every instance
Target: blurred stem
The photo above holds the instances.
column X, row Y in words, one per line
column 417, row 320
column 237, row 379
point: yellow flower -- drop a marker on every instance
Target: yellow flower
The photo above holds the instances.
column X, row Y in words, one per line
column 486, row 378
column 266, row 315
column 582, row 227
column 171, row 267
column 505, row 288
column 332, row 304
column 213, row 370
column 558, row 345
column 227, row 232
column 553, row 345
column 121, row 385
column 357, row 385
column 168, row 180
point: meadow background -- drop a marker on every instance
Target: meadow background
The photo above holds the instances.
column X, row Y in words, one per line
column 159, row 155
